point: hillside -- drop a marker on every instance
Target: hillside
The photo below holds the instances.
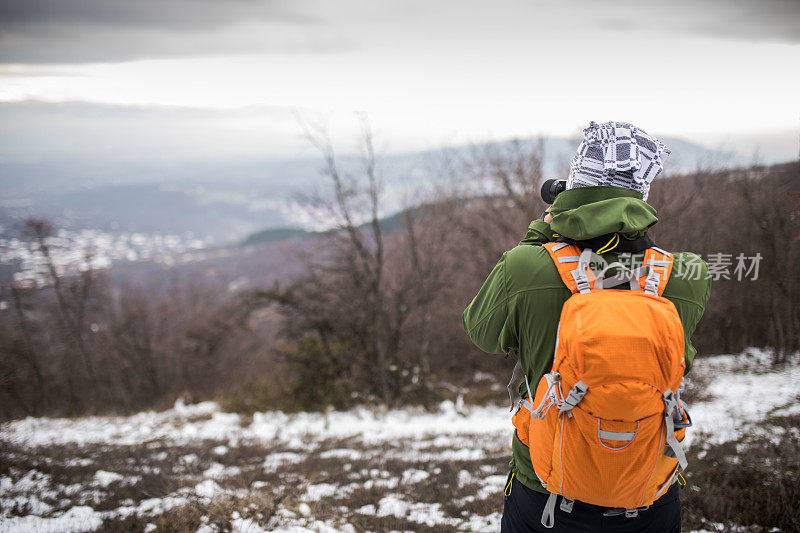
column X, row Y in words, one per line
column 224, row 201
column 273, row 235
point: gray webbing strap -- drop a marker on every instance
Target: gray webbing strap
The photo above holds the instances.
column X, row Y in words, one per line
column 528, row 402
column 513, row 386
column 615, row 264
column 581, row 281
column 601, row 277
column 652, row 281
column 549, row 514
column 550, row 397
column 613, row 435
column 568, row 259
column 629, row 513
column 651, row 284
column 528, row 388
column 579, row 274
column 671, row 405
column 631, row 276
column 575, row 395
column 557, row 247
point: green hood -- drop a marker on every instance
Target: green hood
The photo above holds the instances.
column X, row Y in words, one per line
column 588, row 212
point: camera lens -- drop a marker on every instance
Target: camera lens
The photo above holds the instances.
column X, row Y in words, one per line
column 551, row 189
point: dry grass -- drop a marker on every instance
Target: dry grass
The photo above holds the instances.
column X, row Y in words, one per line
column 753, row 482
column 266, row 495
column 749, row 485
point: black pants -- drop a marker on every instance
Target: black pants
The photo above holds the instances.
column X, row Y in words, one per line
column 523, row 509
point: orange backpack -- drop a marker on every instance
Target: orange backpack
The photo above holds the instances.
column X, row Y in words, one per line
column 605, row 425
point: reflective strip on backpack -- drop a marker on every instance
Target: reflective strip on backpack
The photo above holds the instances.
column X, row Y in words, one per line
column 659, row 262
column 613, row 435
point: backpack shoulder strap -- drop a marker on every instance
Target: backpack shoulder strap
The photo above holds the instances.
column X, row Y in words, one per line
column 659, row 263
column 566, row 258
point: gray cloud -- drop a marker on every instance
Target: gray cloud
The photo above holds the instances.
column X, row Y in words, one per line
column 746, row 20
column 77, row 31
column 34, row 131
column 765, row 20
column 167, row 14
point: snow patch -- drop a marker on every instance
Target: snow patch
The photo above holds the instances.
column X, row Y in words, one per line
column 742, row 392
column 75, row 520
column 104, row 478
column 422, row 513
column 207, row 489
column 321, row 490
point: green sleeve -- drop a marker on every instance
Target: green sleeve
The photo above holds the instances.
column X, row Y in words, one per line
column 539, row 232
column 690, row 315
column 689, row 289
column 486, row 318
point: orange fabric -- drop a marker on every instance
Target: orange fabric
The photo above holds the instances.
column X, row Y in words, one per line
column 541, row 439
column 522, row 420
column 663, row 271
column 664, row 472
column 565, row 269
column 628, row 348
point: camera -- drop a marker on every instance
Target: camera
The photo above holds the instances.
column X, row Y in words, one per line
column 551, row 189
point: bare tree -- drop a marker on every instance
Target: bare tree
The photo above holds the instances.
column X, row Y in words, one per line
column 354, row 204
column 498, row 185
column 71, row 310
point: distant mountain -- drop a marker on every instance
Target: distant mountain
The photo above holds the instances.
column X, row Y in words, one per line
column 269, row 236
column 228, row 200
column 273, row 235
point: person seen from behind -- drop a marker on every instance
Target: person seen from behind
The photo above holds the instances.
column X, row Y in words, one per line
column 601, row 320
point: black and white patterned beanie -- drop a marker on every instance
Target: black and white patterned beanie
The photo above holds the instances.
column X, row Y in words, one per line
column 617, row 154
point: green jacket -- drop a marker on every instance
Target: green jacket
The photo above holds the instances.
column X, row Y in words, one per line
column 519, row 305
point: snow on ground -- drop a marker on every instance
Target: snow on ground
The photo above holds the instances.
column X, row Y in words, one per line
column 203, row 421
column 336, row 471
column 744, row 390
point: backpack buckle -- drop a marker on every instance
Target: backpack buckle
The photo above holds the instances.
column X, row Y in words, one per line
column 684, row 421
column 575, row 395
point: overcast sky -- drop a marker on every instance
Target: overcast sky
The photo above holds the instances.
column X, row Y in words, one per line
column 222, row 79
